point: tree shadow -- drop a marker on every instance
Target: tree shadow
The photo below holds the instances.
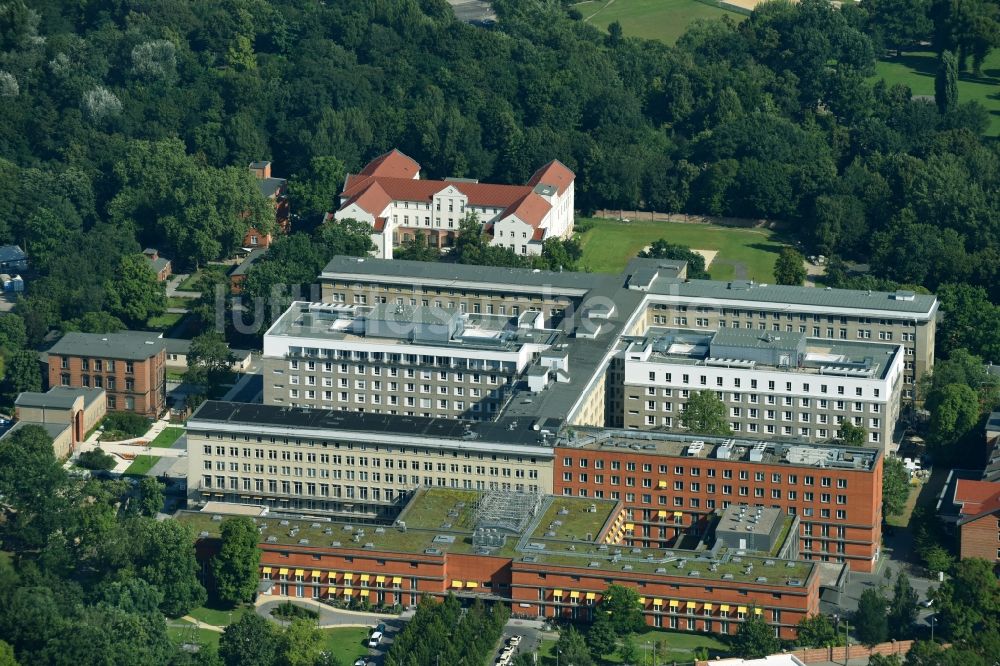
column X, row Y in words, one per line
column 765, row 247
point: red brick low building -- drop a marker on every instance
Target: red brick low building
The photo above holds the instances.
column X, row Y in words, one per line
column 550, row 570
column 276, row 191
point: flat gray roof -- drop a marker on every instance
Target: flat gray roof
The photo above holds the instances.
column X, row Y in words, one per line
column 777, row 293
column 640, row 270
column 58, row 397
column 126, row 345
column 53, row 430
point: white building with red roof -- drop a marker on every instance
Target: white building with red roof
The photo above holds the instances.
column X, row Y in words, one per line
column 390, row 195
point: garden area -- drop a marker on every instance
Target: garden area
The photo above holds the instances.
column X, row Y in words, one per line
column 167, row 437
column 141, row 465
column 665, row 20
column 916, row 69
column 117, row 426
column 608, row 245
column 204, row 278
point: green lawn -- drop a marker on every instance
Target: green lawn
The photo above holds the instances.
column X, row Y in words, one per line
column 218, row 616
column 680, row 646
column 665, row 20
column 178, row 302
column 166, row 438
column 346, row 643
column 180, row 632
column 141, row 465
column 164, row 321
column 203, row 278
column 743, row 253
column 916, row 69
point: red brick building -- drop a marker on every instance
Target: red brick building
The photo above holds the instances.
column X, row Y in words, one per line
column 276, row 191
column 552, row 573
column 978, row 504
column 130, row 366
column 670, row 483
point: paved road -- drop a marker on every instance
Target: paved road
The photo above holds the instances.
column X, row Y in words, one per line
column 172, row 284
column 158, row 451
column 531, row 632
column 472, row 11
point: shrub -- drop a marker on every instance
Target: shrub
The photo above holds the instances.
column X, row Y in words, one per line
column 289, row 611
column 96, row 459
column 128, row 424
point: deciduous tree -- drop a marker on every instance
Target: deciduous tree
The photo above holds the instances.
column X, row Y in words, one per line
column 755, row 639
column 251, row 641
column 895, row 487
column 790, row 267
column 902, row 608
column 134, row 294
column 235, row 567
column 705, row 414
column 870, row 622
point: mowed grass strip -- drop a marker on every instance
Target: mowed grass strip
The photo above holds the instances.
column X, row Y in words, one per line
column 743, row 253
column 141, row 465
column 665, row 20
column 167, row 437
column 916, row 69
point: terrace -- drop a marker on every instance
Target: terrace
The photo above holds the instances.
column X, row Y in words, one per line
column 558, row 536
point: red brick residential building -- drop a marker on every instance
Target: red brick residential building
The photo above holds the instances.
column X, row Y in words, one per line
column 275, row 190
column 130, row 366
column 670, row 483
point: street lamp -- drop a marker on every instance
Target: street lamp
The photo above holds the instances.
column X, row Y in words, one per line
column 933, row 620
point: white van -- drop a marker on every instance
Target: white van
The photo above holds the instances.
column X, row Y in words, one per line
column 375, row 639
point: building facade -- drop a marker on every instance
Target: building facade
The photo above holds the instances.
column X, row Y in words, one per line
column 397, row 359
column 130, row 366
column 389, row 195
column 671, row 483
column 274, row 190
column 433, row 551
column 67, row 414
column 772, row 383
column 360, row 465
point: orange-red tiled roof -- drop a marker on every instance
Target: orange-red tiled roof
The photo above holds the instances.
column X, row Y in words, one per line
column 373, row 199
column 554, row 173
column 392, row 164
column 978, row 498
column 530, row 208
column 406, row 189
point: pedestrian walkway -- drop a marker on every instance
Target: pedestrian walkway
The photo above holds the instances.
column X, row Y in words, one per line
column 174, row 282
column 329, row 617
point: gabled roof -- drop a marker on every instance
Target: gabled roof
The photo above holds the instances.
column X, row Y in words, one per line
column 392, row 164
column 554, row 173
column 530, row 209
column 372, row 198
column 977, row 499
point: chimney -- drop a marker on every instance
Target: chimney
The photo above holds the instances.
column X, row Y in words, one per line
column 260, row 169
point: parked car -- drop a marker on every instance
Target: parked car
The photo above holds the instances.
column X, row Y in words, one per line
column 375, row 639
column 927, row 603
column 380, row 628
column 361, row 662
column 515, row 640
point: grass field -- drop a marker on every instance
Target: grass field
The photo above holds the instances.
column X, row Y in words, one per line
column 164, row 321
column 680, row 646
column 141, row 465
column 346, row 643
column 916, row 69
column 167, row 437
column 195, row 281
column 181, row 632
column 743, row 253
column 665, row 20
column 220, row 617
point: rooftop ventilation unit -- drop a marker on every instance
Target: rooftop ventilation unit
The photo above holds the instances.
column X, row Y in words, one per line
column 695, row 448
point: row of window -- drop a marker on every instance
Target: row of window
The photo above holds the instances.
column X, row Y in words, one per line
column 710, row 472
column 338, row 491
column 755, row 399
column 788, row 316
column 363, row 475
column 772, row 385
column 756, row 428
column 376, row 384
column 337, row 458
column 392, row 360
column 393, row 401
column 98, row 365
column 817, row 332
column 98, row 381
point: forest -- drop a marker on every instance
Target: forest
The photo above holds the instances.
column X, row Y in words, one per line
column 130, row 124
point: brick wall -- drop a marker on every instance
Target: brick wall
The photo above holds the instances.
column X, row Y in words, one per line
column 840, row 654
column 981, row 538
